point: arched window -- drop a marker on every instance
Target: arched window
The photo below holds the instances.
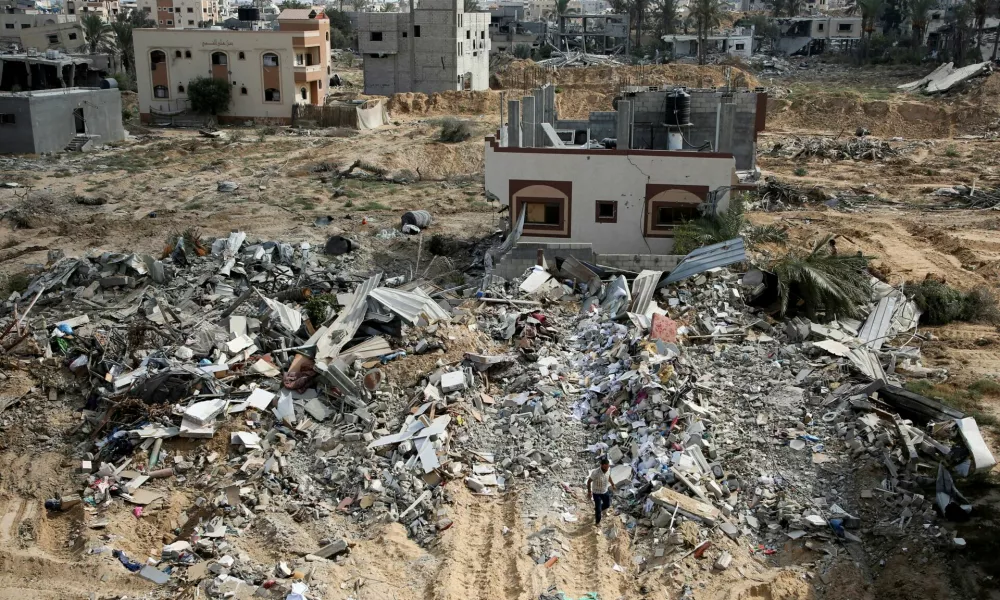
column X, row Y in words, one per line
column 219, row 58
column 272, row 95
column 156, row 57
column 270, row 60
column 180, row 89
column 243, row 91
column 177, row 53
column 243, row 56
column 161, row 91
column 187, row 54
column 305, row 94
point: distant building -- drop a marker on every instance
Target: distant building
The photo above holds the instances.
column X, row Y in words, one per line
column 509, row 29
column 56, row 120
column 181, row 14
column 738, row 42
column 52, row 70
column 270, row 71
column 41, row 31
column 435, row 48
column 106, row 9
column 814, row 35
column 597, row 34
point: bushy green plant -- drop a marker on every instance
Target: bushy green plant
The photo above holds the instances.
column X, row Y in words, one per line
column 453, row 131
column 209, row 95
column 821, row 283
column 727, row 225
column 941, row 304
column 522, row 51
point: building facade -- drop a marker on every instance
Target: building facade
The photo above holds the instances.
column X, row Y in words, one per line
column 435, row 48
column 181, row 14
column 47, row 121
column 41, row 31
column 106, row 10
column 270, row 71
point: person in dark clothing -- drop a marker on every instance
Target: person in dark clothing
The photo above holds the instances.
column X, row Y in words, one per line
column 600, row 486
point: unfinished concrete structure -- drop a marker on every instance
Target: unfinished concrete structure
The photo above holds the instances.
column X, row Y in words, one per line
column 737, row 42
column 622, row 203
column 597, row 34
column 52, row 70
column 435, row 47
column 509, row 29
column 814, row 35
column 55, row 120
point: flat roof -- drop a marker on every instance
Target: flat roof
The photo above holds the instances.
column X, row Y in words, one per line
column 55, row 92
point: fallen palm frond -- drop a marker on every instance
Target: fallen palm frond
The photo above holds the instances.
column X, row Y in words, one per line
column 820, row 282
column 727, row 225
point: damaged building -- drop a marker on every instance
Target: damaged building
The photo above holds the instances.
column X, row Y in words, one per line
column 667, row 156
column 60, row 119
column 596, row 34
column 815, row 35
column 736, row 42
column 51, row 70
column 435, row 47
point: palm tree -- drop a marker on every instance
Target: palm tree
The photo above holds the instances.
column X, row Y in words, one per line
column 793, row 7
column 980, row 10
column 666, row 17
column 960, row 18
column 639, row 9
column 870, row 10
column 820, row 281
column 996, row 33
column 919, row 18
column 96, row 32
column 707, row 14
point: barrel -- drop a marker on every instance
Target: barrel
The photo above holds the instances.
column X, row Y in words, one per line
column 417, row 218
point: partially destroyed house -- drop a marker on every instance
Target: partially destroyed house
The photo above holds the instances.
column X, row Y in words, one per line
column 735, row 42
column 815, row 35
column 51, row 70
column 596, row 34
column 667, row 156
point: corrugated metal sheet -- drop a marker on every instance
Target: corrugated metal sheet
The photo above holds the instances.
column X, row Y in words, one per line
column 410, row 306
column 867, row 362
column 877, row 325
column 331, row 338
column 642, row 290
column 370, row 348
column 701, row 260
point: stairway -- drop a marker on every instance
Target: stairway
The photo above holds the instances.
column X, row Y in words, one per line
column 77, row 143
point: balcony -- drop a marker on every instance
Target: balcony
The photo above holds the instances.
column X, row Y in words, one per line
column 308, row 73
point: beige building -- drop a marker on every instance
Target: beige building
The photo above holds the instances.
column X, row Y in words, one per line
column 270, row 71
column 104, row 9
column 41, row 31
column 181, row 14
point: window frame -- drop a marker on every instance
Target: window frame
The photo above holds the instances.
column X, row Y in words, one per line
column 166, row 92
column 7, row 119
column 372, row 36
column 266, row 55
column 273, row 91
column 604, row 219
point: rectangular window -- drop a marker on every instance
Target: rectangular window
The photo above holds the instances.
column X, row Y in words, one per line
column 375, row 36
column 25, row 26
column 543, row 213
column 270, row 60
column 404, row 34
column 416, row 31
column 170, row 9
column 844, row 27
column 668, row 215
column 740, row 46
column 6, row 119
column 460, row 47
column 148, row 9
column 606, row 211
column 468, row 34
column 169, row 22
column 190, row 10
column 72, row 36
column 9, row 25
column 53, row 39
column 482, row 34
column 72, row 11
column 820, row 27
column 190, row 22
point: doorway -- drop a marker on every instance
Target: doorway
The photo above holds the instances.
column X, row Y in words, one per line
column 78, row 120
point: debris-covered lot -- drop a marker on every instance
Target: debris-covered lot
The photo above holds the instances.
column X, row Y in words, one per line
column 232, row 370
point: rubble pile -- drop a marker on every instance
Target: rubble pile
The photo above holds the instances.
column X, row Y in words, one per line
column 775, row 195
column 850, row 148
column 966, row 197
column 579, row 59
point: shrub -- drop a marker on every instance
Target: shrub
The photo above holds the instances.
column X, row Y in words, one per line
column 209, row 95
column 951, row 151
column 454, row 131
column 126, row 82
column 522, row 51
column 820, row 281
column 941, row 304
column 801, row 172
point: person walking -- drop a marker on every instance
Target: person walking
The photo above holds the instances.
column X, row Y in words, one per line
column 599, row 486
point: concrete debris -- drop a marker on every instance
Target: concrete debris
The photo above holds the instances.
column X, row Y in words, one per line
column 946, row 76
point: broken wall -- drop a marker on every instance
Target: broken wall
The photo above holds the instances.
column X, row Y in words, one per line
column 53, row 124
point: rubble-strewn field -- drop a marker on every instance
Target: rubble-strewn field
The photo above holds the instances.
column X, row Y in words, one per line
column 804, row 508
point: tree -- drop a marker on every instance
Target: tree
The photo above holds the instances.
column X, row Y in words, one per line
column 96, row 32
column 996, row 34
column 359, row 5
column 470, row 6
column 919, row 18
column 793, row 7
column 707, row 14
column 562, row 7
column 522, row 51
column 666, row 17
column 961, row 16
column 639, row 8
column 295, row 4
column 820, row 281
column 209, row 95
column 980, row 10
column 870, row 11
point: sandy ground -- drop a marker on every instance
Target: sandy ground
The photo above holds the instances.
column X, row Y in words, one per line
column 165, row 181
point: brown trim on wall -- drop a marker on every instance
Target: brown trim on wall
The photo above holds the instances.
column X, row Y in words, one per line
column 565, row 229
column 650, row 228
column 492, row 140
column 597, row 211
column 652, row 189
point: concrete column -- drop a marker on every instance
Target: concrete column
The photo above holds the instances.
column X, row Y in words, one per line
column 528, row 130
column 624, row 124
column 727, row 121
column 550, row 104
column 539, row 117
column 514, row 123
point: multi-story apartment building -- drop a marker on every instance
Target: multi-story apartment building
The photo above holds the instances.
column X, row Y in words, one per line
column 104, row 9
column 270, row 71
column 434, row 48
column 181, row 14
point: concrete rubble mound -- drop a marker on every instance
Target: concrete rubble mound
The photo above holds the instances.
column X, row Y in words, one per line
column 261, row 377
